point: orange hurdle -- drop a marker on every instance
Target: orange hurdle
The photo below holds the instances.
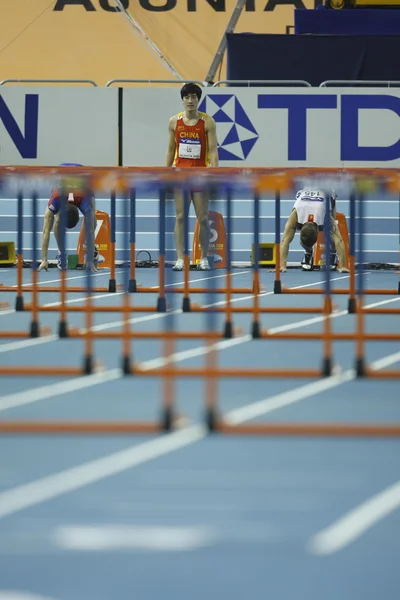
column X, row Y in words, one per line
column 210, row 372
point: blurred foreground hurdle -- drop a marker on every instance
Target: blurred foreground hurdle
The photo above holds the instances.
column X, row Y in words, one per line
column 127, row 183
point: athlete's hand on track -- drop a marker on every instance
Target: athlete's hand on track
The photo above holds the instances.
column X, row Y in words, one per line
column 43, row 265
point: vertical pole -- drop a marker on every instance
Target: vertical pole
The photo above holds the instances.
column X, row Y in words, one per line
column 186, row 258
column 398, row 288
column 277, row 282
column 168, row 346
column 62, row 327
column 256, row 276
column 211, row 362
column 169, row 389
column 228, row 322
column 352, row 304
column 126, row 340
column 112, row 285
column 88, row 358
column 34, row 332
column 132, row 280
column 19, row 301
column 327, row 333
column 161, row 302
column 360, row 357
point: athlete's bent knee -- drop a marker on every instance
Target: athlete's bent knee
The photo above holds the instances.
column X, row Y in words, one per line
column 203, row 220
column 179, row 219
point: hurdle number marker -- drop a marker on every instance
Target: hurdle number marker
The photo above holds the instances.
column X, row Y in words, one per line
column 98, row 227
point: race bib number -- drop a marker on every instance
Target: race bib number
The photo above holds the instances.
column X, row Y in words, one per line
column 189, row 149
column 314, row 195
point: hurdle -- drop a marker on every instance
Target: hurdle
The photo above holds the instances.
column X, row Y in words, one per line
column 327, row 336
column 210, row 373
column 135, row 286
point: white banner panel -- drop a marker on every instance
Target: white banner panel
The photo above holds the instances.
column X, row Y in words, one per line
column 51, row 125
column 274, row 127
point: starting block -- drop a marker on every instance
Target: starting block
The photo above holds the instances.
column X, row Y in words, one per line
column 8, row 256
column 102, row 240
column 266, row 254
column 217, row 243
column 319, row 249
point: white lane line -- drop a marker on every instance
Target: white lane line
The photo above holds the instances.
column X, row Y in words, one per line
column 341, row 313
column 356, row 522
column 115, row 324
column 257, row 409
column 13, row 311
column 262, row 407
column 53, row 486
column 52, row 390
column 10, row 346
column 297, row 287
column 28, row 343
column 57, row 389
column 386, row 361
column 70, row 278
column 384, row 302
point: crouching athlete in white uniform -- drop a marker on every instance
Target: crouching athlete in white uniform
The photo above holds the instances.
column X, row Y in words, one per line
column 308, row 217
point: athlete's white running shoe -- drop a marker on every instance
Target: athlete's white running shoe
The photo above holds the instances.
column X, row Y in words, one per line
column 178, row 266
column 59, row 260
column 204, row 264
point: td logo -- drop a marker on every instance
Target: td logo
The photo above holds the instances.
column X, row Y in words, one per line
column 236, row 133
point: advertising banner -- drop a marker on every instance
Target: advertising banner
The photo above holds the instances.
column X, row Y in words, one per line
column 256, row 127
column 50, row 126
column 274, row 127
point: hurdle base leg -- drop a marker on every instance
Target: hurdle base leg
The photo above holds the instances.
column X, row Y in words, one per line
column 112, row 286
column 63, row 329
column 126, row 365
column 167, row 419
column 256, row 330
column 327, row 367
column 228, row 330
column 277, row 287
column 88, row 365
column 162, row 304
column 352, row 306
column 34, row 330
column 186, row 305
column 211, row 420
column 19, row 303
column 132, row 286
column 328, row 305
column 360, row 367
column 398, row 289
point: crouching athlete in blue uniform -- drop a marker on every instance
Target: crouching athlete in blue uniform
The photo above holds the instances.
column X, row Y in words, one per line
column 77, row 201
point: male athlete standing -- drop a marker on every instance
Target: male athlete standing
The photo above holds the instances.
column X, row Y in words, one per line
column 192, row 142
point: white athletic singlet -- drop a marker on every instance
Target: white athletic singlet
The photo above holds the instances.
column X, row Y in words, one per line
column 310, row 206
